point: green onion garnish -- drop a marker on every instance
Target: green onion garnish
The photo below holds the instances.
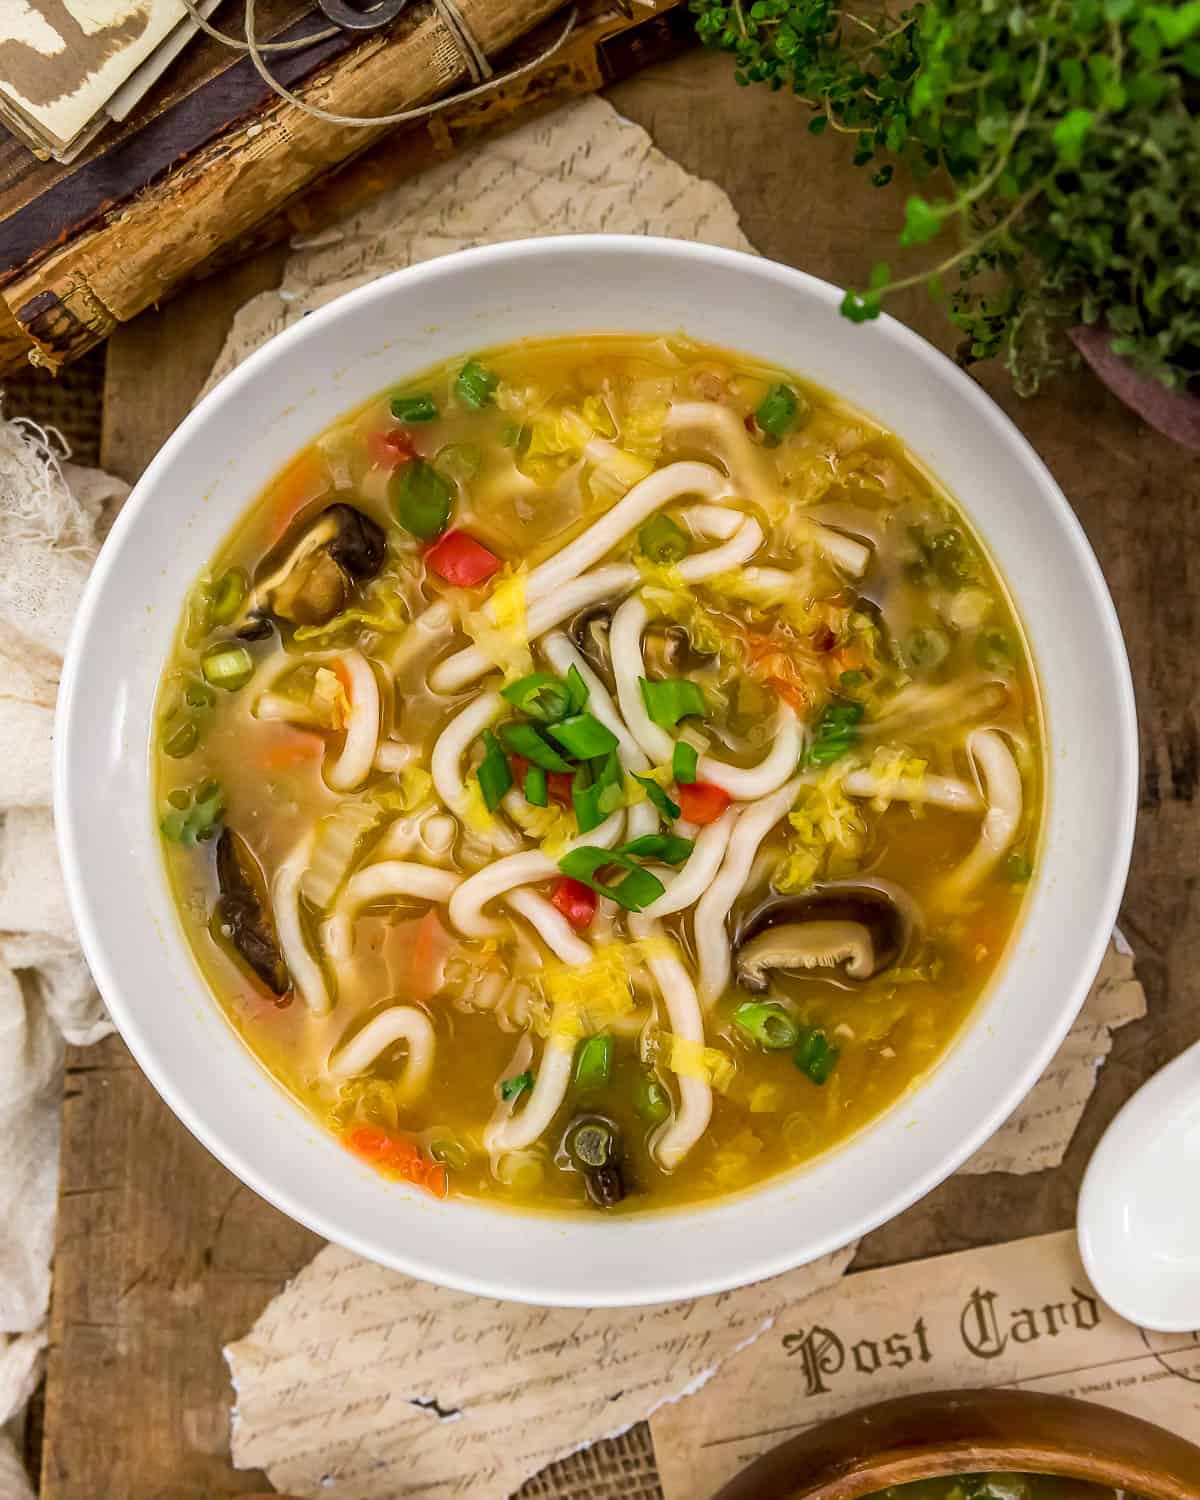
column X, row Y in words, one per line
column 666, row 807
column 540, row 696
column 596, row 793
column 776, row 415
column 671, row 700
column 768, row 1023
column 835, row 733
column 634, row 891
column 593, row 1062
column 193, row 816
column 577, row 689
column 684, row 762
column 852, row 679
column 183, row 741
column 994, row 650
column 421, row 499
column 523, row 739
column 662, row 541
column 583, row 736
column 1018, row 868
column 475, row 385
column 537, row 791
column 668, row 847
column 422, row 408
column 495, row 774
column 651, row 1100
column 514, row 1087
column 227, row 595
column 813, row 1055
column 228, row 667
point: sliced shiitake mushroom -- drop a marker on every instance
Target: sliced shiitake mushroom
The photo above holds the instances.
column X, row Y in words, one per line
column 243, row 913
column 589, row 630
column 859, row 928
column 312, row 578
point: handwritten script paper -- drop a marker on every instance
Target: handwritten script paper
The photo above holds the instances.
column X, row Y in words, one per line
column 363, row 1383
column 1022, row 1314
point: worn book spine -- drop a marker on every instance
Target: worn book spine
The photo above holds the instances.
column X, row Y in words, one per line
column 146, row 247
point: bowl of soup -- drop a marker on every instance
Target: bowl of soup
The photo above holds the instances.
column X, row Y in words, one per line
column 587, row 778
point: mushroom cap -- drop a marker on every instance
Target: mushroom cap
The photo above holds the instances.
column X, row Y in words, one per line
column 857, row 927
column 308, row 578
column 244, row 909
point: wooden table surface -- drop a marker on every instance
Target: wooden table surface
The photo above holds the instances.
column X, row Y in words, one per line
column 163, row 1256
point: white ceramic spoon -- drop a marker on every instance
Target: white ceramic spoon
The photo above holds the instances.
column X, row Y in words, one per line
column 1139, row 1211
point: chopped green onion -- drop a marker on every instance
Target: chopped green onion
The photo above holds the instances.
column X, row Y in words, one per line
column 666, row 807
column 596, row 794
column 511, row 436
column 684, row 762
column 813, row 1055
column 193, row 816
column 514, row 1087
column 852, row 679
column 651, row 1100
column 583, row 736
column 460, row 461
column 495, row 774
column 451, row 1152
column 475, row 385
column 668, row 847
column 1018, row 868
column 537, row 791
column 523, row 739
column 593, row 1143
column 634, row 892
column 540, row 696
column 994, row 650
column 593, row 1062
column 421, row 499
column 183, row 741
column 662, row 541
column 422, row 408
column 671, row 700
column 925, row 649
column 769, row 1023
column 228, row 667
column 197, row 694
column 835, row 733
column 227, row 595
column 577, row 689
column 776, row 414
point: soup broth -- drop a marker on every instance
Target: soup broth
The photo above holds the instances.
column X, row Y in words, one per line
column 1002, row 1487
column 603, row 773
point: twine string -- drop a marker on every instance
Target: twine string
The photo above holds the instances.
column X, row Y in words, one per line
column 452, row 18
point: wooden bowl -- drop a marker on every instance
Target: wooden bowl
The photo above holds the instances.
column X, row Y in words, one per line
column 964, row 1432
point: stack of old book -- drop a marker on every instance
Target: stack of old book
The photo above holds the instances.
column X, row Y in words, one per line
column 210, row 163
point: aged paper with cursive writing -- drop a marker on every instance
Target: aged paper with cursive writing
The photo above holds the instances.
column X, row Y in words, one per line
column 361, row 1382
column 1022, row 1315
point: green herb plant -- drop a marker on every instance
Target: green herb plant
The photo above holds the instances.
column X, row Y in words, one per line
column 1061, row 138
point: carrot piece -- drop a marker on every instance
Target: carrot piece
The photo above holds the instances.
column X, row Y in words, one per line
column 397, row 1158
column 302, row 481
column 291, row 747
column 430, row 947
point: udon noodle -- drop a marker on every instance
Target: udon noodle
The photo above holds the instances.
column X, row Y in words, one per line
column 601, row 772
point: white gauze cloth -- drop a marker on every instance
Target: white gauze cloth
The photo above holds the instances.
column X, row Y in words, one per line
column 49, row 516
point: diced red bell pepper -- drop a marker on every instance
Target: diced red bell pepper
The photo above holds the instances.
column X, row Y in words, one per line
column 576, row 901
column 390, row 447
column 701, row 802
column 461, row 560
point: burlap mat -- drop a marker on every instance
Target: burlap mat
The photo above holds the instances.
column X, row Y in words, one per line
column 72, row 402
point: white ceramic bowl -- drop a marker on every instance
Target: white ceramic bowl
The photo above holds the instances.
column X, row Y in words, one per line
column 278, row 400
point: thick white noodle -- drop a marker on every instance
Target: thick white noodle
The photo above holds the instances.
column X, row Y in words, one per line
column 504, row 875
column 612, row 581
column 625, row 647
column 677, row 1137
column 445, row 764
column 748, row 783
column 998, row 771
column 353, row 765
column 423, row 636
column 551, row 926
column 399, row 1023
column 379, row 882
column 393, row 755
column 647, row 496
column 280, row 709
column 712, row 521
column 701, row 869
column 285, row 901
column 929, row 790
column 522, row 1128
column 712, row 943
column 726, row 438
column 739, row 549
column 562, row 655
